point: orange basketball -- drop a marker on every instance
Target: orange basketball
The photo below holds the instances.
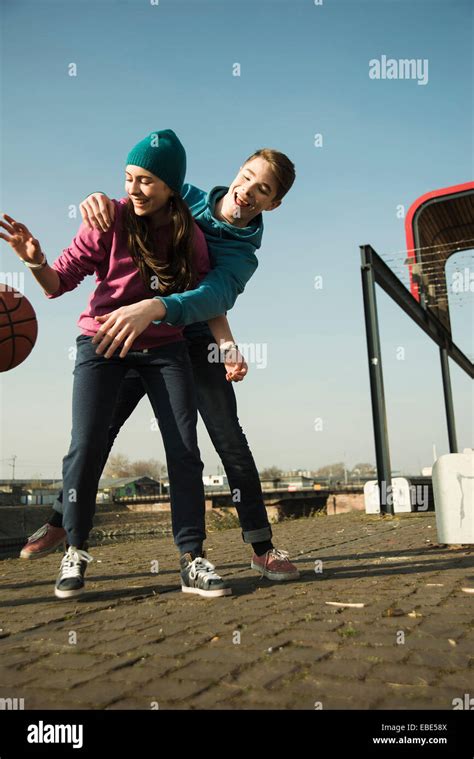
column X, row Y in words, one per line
column 18, row 328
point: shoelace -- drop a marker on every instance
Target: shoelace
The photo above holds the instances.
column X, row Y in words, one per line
column 39, row 533
column 277, row 553
column 204, row 568
column 71, row 563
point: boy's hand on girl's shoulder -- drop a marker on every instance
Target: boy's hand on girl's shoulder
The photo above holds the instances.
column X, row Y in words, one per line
column 97, row 211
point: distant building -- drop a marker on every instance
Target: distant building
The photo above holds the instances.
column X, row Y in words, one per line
column 125, row 488
column 215, row 481
column 28, row 492
column 298, row 473
column 44, row 492
column 287, row 482
column 38, row 496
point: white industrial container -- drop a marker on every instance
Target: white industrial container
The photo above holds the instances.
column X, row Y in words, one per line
column 401, row 496
column 453, row 491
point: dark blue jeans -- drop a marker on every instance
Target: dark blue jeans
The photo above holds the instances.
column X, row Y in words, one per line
column 218, row 408
column 165, row 375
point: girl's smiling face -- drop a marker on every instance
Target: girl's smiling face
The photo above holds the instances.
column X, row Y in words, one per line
column 147, row 192
column 252, row 191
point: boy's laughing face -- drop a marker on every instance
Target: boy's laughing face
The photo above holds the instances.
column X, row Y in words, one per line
column 252, row 191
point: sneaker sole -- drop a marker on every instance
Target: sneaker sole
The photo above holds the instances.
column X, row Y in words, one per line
column 24, row 554
column 207, row 593
column 68, row 593
column 278, row 576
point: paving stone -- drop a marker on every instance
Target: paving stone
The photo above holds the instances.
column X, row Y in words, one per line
column 442, row 661
column 442, row 628
column 466, row 645
column 427, row 643
column 403, row 674
column 47, row 698
column 302, row 654
column 342, row 668
column 374, row 654
column 202, row 670
column 261, row 698
column 14, row 678
column 262, row 674
column 313, row 690
column 71, row 659
column 169, row 689
column 218, row 696
column 462, row 680
column 228, row 654
column 62, row 678
column 156, row 664
column 100, row 692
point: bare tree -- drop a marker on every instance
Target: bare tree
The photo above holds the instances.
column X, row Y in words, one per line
column 120, row 465
column 335, row 471
column 363, row 470
column 271, row 473
column 151, row 468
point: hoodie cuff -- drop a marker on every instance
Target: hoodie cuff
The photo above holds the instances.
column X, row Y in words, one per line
column 172, row 311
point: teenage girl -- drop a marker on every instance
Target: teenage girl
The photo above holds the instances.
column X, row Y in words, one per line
column 153, row 247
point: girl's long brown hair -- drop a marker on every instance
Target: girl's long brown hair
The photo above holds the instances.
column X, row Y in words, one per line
column 172, row 270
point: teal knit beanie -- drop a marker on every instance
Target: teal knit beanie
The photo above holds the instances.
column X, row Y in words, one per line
column 163, row 154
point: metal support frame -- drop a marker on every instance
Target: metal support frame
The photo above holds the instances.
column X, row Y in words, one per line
column 448, row 401
column 379, row 415
column 375, row 271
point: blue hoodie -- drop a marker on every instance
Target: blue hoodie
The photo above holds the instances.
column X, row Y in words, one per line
column 232, row 256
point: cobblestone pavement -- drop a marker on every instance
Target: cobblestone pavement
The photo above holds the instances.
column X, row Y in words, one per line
column 134, row 640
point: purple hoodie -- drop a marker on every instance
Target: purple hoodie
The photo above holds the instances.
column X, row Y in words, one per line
column 119, row 283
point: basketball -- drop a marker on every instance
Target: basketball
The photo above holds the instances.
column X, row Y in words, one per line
column 18, row 328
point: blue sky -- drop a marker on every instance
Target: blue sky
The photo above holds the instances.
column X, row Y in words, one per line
column 304, row 71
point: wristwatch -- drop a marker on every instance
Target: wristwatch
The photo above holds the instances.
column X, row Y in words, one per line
column 229, row 347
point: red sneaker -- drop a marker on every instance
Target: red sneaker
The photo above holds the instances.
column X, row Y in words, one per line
column 43, row 541
column 275, row 565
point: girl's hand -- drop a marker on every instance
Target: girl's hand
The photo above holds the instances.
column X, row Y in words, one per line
column 236, row 366
column 97, row 211
column 21, row 240
column 124, row 326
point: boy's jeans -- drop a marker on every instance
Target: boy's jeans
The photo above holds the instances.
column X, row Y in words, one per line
column 217, row 406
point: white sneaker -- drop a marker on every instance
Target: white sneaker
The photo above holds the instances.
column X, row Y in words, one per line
column 198, row 576
column 70, row 580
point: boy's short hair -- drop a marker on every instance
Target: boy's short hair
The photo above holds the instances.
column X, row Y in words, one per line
column 281, row 166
